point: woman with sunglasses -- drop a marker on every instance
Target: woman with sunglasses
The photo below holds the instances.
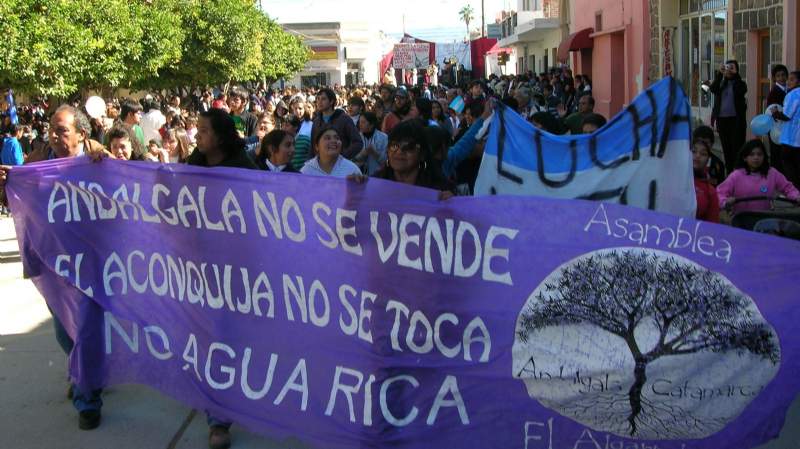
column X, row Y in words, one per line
column 410, row 160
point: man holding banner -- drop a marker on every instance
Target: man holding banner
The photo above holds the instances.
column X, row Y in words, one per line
column 70, row 138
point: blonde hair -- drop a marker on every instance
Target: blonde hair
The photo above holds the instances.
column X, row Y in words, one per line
column 181, row 142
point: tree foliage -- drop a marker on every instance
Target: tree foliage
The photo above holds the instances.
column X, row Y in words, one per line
column 466, row 14
column 284, row 53
column 57, row 47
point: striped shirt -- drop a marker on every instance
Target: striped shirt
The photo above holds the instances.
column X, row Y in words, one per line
column 302, row 151
column 341, row 169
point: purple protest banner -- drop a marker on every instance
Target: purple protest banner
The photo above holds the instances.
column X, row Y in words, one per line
column 376, row 316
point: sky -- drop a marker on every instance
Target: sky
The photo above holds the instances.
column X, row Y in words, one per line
column 435, row 20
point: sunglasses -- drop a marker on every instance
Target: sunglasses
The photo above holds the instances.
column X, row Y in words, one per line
column 407, row 147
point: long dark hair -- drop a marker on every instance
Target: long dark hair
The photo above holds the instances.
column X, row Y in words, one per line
column 272, row 140
column 748, row 148
column 734, row 62
column 225, row 130
column 372, row 119
column 317, row 136
column 430, row 171
column 425, row 109
column 439, row 141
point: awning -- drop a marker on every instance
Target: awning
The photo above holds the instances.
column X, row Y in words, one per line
column 575, row 41
column 497, row 49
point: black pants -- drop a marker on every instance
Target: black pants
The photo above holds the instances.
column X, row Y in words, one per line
column 791, row 164
column 732, row 131
column 776, row 156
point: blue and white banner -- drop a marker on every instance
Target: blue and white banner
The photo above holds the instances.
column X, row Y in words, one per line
column 12, row 107
column 641, row 157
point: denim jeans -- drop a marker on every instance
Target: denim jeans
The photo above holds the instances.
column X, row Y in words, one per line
column 80, row 400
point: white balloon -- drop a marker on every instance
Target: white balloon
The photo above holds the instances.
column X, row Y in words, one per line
column 777, row 128
column 775, row 132
column 95, row 107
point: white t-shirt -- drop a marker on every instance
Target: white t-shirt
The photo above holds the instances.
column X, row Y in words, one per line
column 151, row 123
column 341, row 169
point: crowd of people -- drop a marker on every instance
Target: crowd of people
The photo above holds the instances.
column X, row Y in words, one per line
column 751, row 172
column 165, row 127
column 423, row 135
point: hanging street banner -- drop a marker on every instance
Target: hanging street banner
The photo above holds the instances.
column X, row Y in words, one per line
column 461, row 51
column 411, row 56
column 373, row 315
column 641, row 157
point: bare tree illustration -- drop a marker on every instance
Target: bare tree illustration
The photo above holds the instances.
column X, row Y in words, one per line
column 693, row 309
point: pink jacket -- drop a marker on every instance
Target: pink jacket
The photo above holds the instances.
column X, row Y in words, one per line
column 739, row 185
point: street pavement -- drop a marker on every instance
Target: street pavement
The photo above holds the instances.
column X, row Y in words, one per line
column 36, row 414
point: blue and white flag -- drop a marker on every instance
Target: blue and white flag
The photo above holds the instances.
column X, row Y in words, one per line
column 12, row 107
column 457, row 104
column 641, row 157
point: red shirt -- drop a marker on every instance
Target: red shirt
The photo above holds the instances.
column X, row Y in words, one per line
column 389, row 122
column 707, row 200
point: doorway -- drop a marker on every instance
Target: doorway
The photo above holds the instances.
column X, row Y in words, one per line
column 763, row 59
column 702, row 50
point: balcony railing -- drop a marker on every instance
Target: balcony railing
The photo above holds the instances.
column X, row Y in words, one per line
column 550, row 9
column 509, row 25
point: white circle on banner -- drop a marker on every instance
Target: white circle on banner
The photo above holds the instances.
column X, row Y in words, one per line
column 643, row 344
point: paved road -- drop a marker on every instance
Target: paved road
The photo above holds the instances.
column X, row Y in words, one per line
column 36, row 413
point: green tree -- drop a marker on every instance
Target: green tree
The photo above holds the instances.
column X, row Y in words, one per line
column 32, row 59
column 57, row 47
column 162, row 39
column 466, row 14
column 284, row 53
column 223, row 42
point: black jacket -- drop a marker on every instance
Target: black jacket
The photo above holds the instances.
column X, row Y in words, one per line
column 776, row 96
column 739, row 94
column 238, row 159
column 343, row 124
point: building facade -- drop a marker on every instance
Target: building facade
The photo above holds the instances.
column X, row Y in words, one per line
column 610, row 43
column 533, row 32
column 343, row 53
column 690, row 39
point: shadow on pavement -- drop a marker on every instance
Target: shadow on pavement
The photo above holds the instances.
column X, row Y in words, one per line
column 37, row 414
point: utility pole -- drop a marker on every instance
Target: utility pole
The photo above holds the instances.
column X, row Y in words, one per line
column 483, row 20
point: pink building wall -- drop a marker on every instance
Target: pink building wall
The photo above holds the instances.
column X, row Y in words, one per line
column 620, row 52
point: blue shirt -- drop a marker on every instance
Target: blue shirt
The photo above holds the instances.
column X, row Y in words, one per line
column 727, row 105
column 12, row 152
column 790, row 134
